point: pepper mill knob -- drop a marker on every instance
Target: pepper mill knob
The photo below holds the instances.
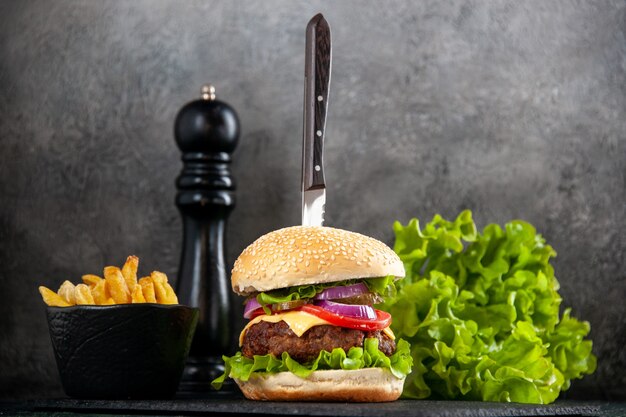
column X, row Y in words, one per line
column 208, row 92
column 207, row 132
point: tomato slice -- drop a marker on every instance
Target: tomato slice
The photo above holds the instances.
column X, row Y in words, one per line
column 383, row 319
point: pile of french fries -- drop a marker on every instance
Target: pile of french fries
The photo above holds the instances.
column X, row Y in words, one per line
column 119, row 286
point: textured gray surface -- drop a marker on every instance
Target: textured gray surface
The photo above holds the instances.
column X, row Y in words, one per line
column 511, row 109
column 401, row 408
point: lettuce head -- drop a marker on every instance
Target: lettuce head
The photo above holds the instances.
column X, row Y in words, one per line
column 481, row 312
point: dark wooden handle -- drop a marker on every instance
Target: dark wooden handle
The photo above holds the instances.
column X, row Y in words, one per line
column 317, row 83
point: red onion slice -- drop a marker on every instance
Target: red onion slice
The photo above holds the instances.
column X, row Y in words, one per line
column 349, row 310
column 337, row 293
column 251, row 306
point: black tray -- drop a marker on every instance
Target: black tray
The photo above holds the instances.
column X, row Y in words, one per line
column 235, row 405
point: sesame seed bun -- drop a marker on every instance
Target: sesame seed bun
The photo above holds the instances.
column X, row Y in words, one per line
column 361, row 385
column 302, row 255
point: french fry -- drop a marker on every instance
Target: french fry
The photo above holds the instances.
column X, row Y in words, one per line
column 100, row 292
column 116, row 285
column 66, row 291
column 147, row 287
column 159, row 277
column 51, row 298
column 171, row 294
column 83, row 295
column 129, row 271
column 137, row 295
column 119, row 286
column 91, row 280
column 164, row 292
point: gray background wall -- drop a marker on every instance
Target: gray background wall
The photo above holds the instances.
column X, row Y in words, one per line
column 512, row 109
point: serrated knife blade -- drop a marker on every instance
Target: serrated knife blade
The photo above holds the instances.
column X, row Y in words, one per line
column 317, row 64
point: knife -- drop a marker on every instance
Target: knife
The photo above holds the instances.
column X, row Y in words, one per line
column 317, row 62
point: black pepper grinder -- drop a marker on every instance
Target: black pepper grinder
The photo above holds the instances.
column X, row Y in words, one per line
column 207, row 132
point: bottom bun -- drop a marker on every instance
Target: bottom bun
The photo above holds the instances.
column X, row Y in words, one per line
column 361, row 385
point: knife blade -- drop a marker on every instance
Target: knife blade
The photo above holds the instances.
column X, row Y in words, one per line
column 317, row 64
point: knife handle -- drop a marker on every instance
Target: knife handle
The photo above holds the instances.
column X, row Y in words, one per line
column 317, row 81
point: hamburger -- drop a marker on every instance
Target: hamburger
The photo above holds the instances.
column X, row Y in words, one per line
column 313, row 333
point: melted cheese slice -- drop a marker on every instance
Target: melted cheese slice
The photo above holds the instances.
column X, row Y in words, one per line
column 298, row 321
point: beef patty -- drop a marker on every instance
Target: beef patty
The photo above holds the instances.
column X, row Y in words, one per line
column 276, row 338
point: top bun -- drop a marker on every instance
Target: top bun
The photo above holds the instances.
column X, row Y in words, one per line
column 302, row 255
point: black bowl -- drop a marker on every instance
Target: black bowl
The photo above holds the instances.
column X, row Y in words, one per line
column 121, row 351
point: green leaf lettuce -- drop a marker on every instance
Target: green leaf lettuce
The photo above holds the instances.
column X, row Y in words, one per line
column 242, row 368
column 481, row 312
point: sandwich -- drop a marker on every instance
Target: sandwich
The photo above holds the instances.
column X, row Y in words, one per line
column 314, row 333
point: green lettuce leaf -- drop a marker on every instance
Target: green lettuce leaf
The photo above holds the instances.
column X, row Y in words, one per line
column 481, row 312
column 241, row 367
column 382, row 285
